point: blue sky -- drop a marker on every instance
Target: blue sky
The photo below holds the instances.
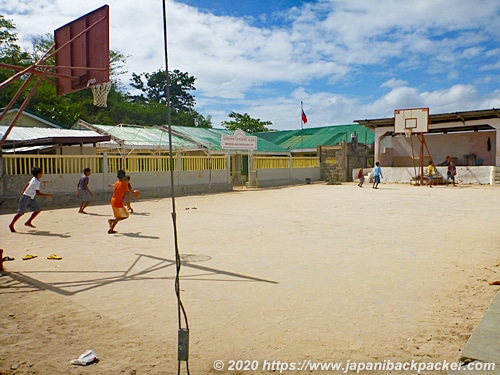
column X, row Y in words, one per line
column 345, row 59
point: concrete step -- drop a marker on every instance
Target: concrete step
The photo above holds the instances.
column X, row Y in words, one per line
column 483, row 346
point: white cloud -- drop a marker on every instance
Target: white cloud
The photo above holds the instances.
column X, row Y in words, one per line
column 393, row 83
column 339, row 56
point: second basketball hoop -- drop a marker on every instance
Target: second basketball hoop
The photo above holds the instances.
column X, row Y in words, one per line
column 411, row 121
column 414, row 121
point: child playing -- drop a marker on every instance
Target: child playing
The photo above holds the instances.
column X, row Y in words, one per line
column 361, row 177
column 431, row 171
column 126, row 200
column 27, row 200
column 83, row 191
column 451, row 172
column 119, row 211
column 377, row 174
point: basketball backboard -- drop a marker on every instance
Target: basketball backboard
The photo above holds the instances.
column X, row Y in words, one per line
column 414, row 120
column 82, row 52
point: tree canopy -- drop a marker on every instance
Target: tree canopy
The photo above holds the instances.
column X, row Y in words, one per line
column 246, row 123
column 147, row 108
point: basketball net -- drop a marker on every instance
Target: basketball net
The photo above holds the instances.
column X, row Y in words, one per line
column 100, row 93
column 408, row 132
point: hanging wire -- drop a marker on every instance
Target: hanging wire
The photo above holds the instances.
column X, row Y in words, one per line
column 181, row 312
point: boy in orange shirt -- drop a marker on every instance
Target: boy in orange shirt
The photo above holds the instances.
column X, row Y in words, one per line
column 119, row 211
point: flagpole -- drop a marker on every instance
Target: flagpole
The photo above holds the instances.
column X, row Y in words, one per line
column 302, row 126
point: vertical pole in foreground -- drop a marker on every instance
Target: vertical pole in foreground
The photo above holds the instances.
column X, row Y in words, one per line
column 183, row 332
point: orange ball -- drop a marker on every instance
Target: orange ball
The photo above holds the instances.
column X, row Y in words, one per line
column 136, row 194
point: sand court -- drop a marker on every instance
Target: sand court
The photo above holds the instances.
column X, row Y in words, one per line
column 313, row 272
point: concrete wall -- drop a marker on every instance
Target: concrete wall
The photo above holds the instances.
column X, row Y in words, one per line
column 465, row 175
column 151, row 185
column 283, row 176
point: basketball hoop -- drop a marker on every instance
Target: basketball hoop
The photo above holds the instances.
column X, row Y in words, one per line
column 408, row 132
column 100, row 93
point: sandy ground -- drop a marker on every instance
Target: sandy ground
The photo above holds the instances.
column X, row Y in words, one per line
column 314, row 272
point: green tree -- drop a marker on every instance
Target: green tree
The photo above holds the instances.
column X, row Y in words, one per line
column 153, row 85
column 40, row 44
column 11, row 54
column 146, row 109
column 246, row 123
column 117, row 62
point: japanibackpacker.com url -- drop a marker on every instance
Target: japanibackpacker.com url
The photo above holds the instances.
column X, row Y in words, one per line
column 347, row 367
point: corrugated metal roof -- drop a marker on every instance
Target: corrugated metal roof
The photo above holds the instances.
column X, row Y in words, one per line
column 449, row 122
column 144, row 137
column 310, row 138
column 26, row 149
column 183, row 137
column 22, row 133
column 212, row 137
column 25, row 136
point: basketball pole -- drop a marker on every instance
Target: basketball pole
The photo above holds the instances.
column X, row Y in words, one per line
column 414, row 120
column 32, row 70
column 24, row 104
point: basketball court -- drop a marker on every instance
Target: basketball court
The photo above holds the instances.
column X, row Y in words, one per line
column 319, row 272
column 316, row 272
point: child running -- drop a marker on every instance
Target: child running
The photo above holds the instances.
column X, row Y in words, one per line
column 126, row 200
column 27, row 200
column 119, row 211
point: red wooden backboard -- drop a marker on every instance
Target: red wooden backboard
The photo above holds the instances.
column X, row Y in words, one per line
column 82, row 51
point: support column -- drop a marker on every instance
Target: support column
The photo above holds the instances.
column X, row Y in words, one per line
column 496, row 144
column 379, row 134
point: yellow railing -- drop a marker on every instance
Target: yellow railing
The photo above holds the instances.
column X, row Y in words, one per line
column 261, row 162
column 305, row 162
column 140, row 163
column 219, row 163
column 202, row 163
column 269, row 162
column 18, row 164
column 51, row 164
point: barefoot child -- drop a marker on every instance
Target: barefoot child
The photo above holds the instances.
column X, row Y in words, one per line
column 377, row 175
column 431, row 171
column 27, row 200
column 361, row 177
column 119, row 211
column 83, row 191
column 126, row 200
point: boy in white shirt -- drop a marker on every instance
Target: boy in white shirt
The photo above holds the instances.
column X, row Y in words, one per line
column 27, row 200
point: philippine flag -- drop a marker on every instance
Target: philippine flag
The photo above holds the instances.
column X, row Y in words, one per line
column 304, row 117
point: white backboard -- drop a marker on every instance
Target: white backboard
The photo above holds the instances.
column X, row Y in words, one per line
column 416, row 119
